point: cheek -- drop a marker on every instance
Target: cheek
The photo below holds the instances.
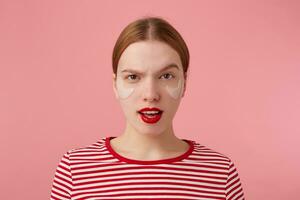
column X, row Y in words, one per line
column 175, row 91
column 124, row 91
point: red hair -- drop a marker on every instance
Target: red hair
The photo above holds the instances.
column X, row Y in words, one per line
column 147, row 29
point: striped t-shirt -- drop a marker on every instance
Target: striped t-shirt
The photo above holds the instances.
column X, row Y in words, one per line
column 98, row 172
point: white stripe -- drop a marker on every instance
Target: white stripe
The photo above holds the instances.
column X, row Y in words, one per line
column 148, row 176
column 151, row 171
column 140, row 182
column 132, row 192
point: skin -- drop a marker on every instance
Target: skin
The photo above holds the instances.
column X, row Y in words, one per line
column 125, row 90
column 150, row 87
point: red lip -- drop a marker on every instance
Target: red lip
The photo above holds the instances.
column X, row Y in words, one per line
column 150, row 119
column 150, row 109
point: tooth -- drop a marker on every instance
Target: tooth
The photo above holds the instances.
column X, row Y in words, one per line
column 151, row 112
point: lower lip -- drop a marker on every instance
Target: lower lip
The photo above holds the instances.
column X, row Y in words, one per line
column 152, row 119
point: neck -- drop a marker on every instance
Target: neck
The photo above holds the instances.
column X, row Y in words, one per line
column 149, row 144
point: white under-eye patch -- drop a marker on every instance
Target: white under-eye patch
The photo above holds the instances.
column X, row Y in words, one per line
column 175, row 92
column 123, row 91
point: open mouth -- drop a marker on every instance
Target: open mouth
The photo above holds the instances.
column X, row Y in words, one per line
column 150, row 117
column 150, row 114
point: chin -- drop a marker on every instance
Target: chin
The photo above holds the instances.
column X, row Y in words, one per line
column 150, row 130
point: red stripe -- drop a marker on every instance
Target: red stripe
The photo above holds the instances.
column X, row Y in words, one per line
column 102, row 177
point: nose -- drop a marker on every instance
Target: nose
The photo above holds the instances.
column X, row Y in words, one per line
column 151, row 91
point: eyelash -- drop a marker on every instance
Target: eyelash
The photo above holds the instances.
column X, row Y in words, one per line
column 162, row 75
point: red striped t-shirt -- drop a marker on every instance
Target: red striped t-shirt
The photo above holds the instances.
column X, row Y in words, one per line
column 98, row 172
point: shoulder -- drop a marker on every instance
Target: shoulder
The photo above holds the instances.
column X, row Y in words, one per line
column 204, row 154
column 89, row 151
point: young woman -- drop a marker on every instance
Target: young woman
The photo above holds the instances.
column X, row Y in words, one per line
column 147, row 161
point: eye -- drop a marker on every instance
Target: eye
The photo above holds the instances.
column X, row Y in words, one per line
column 168, row 76
column 131, row 77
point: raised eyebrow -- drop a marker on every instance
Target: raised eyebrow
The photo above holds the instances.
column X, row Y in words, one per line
column 169, row 66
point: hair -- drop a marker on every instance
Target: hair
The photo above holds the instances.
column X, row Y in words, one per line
column 151, row 29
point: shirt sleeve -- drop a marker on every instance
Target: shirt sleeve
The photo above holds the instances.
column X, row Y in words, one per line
column 62, row 182
column 234, row 190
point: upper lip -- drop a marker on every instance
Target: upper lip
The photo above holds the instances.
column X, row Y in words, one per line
column 150, row 109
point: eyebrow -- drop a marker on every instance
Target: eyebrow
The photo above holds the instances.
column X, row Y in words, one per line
column 169, row 66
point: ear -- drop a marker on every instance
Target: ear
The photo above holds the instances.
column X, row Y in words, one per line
column 114, row 85
column 184, row 86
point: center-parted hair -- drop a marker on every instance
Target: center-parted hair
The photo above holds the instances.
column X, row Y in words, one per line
column 147, row 29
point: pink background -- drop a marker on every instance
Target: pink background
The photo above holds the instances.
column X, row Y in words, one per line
column 242, row 95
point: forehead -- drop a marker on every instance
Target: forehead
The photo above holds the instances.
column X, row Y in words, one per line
column 149, row 56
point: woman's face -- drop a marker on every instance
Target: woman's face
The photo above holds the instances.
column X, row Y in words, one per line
column 149, row 74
